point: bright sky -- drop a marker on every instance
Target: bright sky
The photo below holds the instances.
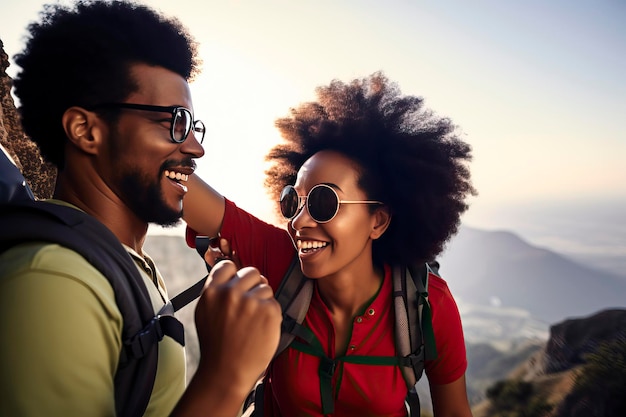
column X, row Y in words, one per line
column 537, row 87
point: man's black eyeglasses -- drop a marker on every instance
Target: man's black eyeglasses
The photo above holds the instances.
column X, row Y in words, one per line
column 182, row 122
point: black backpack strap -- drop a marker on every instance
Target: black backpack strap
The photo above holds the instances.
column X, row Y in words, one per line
column 202, row 245
column 254, row 405
column 76, row 230
column 259, row 400
column 189, row 294
column 413, row 403
column 186, row 296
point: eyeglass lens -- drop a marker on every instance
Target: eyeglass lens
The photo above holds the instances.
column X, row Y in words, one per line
column 322, row 203
column 183, row 124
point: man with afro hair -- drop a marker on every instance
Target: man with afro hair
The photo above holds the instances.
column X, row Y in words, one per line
column 104, row 93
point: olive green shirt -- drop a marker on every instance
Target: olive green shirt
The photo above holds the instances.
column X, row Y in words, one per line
column 60, row 336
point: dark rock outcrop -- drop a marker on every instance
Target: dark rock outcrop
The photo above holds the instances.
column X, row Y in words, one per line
column 571, row 340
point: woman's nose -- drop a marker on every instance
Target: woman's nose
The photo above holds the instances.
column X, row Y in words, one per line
column 302, row 218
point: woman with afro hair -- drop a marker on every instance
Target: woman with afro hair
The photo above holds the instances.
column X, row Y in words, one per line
column 384, row 182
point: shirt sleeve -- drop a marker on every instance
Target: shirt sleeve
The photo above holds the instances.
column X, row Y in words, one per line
column 257, row 243
column 451, row 361
column 61, row 332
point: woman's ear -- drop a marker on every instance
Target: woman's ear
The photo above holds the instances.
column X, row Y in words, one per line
column 382, row 218
column 83, row 129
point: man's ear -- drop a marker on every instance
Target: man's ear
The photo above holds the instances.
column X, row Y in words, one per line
column 382, row 219
column 83, row 129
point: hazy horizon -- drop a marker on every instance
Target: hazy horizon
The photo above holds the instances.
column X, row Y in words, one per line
column 591, row 232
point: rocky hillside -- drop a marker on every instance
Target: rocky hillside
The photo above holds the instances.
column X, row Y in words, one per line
column 580, row 371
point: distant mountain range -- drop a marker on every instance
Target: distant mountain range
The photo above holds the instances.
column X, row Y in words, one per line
column 498, row 269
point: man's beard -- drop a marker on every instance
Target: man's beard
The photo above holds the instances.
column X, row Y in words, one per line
column 145, row 199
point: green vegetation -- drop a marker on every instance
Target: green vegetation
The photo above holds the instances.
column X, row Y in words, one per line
column 599, row 385
column 607, row 364
column 515, row 398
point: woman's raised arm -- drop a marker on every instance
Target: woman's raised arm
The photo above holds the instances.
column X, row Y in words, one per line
column 203, row 207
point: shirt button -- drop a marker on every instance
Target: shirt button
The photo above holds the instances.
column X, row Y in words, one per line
column 359, row 319
column 352, row 347
column 371, row 312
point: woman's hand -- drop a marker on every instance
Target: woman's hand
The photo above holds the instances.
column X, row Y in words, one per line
column 219, row 250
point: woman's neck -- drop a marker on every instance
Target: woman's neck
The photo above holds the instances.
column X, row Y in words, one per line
column 347, row 295
column 348, row 292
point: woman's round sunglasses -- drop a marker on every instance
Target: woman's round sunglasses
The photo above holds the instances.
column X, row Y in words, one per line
column 322, row 202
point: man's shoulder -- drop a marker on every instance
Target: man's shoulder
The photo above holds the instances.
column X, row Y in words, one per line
column 44, row 258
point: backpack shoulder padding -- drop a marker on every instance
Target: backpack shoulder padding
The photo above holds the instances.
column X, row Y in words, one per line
column 294, row 296
column 48, row 222
column 414, row 333
column 415, row 340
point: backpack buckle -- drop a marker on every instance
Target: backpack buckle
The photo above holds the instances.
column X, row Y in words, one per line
column 152, row 333
column 327, row 367
column 288, row 324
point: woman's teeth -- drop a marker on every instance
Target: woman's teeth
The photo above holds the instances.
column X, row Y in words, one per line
column 176, row 176
column 308, row 246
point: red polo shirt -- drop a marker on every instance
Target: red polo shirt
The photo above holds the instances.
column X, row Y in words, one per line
column 293, row 386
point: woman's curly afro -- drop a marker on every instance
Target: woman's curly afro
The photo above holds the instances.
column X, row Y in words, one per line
column 408, row 158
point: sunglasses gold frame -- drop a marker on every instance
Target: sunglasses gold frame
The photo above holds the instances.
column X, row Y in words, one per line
column 302, row 199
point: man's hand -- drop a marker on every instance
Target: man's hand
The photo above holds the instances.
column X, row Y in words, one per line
column 238, row 323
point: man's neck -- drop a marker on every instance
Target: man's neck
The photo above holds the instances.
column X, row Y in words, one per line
column 109, row 210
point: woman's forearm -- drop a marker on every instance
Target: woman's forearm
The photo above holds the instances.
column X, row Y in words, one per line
column 203, row 207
